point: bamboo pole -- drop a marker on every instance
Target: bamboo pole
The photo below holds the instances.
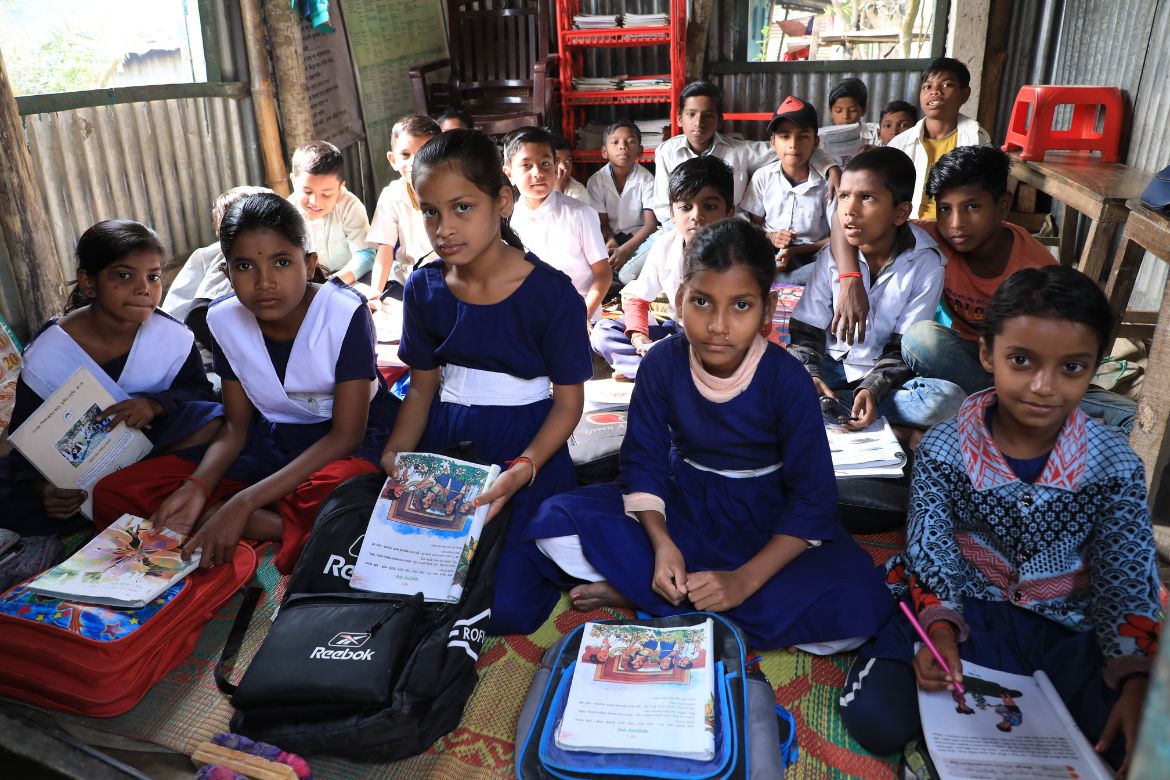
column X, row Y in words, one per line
column 288, row 61
column 23, row 220
column 263, row 99
column 696, row 43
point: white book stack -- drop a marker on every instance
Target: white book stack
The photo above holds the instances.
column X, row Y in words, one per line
column 595, row 21
column 645, row 20
column 652, row 131
column 595, row 84
column 651, row 83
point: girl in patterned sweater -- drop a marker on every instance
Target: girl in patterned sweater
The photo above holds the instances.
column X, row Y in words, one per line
column 1029, row 544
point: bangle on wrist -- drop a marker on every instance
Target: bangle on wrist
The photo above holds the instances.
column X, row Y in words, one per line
column 849, row 275
column 200, row 484
column 523, row 459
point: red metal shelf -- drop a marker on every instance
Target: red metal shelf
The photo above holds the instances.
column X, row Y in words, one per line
column 616, row 37
column 618, row 97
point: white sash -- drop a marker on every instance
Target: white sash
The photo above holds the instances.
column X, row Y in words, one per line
column 476, row 387
column 161, row 347
column 738, row 473
column 306, row 396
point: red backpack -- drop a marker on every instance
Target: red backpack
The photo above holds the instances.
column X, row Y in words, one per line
column 99, row 661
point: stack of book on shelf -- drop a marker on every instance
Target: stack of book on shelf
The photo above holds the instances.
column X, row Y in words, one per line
column 645, row 20
column 650, row 83
column 871, row 452
column 595, row 21
column 653, row 131
column 595, row 84
column 591, row 136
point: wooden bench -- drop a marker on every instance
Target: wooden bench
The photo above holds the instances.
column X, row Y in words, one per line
column 1146, row 231
column 1087, row 186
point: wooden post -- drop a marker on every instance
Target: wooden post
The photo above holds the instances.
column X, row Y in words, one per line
column 288, row 60
column 697, row 27
column 23, row 219
column 263, row 100
column 995, row 57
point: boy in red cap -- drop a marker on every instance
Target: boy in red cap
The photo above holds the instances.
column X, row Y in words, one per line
column 787, row 196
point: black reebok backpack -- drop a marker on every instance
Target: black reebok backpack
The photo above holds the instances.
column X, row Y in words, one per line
column 362, row 675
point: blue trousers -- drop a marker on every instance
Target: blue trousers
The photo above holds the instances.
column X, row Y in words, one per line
column 609, row 340
column 918, row 403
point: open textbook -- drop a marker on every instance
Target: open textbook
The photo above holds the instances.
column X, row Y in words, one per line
column 1006, row 726
column 66, row 438
column 873, row 451
column 639, row 689
column 128, row 565
column 842, row 142
column 425, row 527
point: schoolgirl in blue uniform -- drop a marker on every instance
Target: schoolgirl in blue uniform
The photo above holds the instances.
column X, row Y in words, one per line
column 305, row 408
column 726, row 496
column 486, row 330
column 145, row 359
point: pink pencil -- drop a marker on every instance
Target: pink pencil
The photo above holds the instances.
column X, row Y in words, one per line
column 929, row 645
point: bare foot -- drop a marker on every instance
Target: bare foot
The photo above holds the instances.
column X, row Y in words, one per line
column 908, row 437
column 594, row 595
column 620, row 377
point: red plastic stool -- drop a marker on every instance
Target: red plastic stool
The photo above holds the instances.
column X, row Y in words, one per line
column 1036, row 137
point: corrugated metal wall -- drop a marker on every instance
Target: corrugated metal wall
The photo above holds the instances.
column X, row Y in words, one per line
column 1125, row 43
column 161, row 163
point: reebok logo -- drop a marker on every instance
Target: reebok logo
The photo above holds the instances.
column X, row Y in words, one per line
column 342, row 655
column 338, row 566
column 349, row 639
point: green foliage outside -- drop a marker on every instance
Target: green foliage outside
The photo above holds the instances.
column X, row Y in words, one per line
column 61, row 58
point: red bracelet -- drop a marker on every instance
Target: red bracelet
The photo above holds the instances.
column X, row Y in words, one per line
column 201, row 484
column 523, row 459
column 849, row 275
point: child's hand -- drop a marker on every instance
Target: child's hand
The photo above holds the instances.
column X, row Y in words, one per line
column 1126, row 715
column 620, row 256
column 387, row 462
column 670, row 573
column 641, row 342
column 180, row 510
column 851, row 311
column 59, row 503
column 220, row 533
column 864, row 409
column 822, row 388
column 716, row 591
column 782, row 238
column 929, row 674
column 505, row 487
column 833, row 179
column 611, row 245
column 135, row 412
column 783, row 257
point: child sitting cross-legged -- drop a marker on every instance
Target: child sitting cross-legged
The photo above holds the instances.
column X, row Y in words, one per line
column 725, row 501
column 623, row 194
column 700, row 193
column 903, row 270
column 1029, row 544
column 788, row 197
column 559, row 229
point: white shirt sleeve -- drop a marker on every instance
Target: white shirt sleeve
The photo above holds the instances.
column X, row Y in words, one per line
column 927, row 288
column 354, row 224
column 592, row 242
column 648, row 283
column 661, row 202
column 754, row 197
column 646, row 191
column 183, row 289
column 596, row 189
column 384, row 225
column 815, row 306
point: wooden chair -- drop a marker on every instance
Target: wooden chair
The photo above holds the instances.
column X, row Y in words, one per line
column 501, row 70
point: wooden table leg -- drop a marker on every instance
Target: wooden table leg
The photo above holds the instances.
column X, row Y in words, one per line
column 1126, row 264
column 1149, row 436
column 1068, row 234
column 1096, row 251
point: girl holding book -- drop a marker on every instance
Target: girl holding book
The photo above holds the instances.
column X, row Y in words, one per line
column 1029, row 544
column 726, row 498
column 140, row 355
column 305, row 408
column 486, row 330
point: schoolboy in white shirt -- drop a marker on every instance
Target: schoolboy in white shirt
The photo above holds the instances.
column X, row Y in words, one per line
column 623, row 194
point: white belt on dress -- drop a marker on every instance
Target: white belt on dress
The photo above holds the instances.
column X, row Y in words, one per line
column 476, row 387
column 738, row 473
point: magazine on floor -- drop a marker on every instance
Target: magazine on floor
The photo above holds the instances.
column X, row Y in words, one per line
column 128, row 565
column 640, row 689
column 1004, row 727
column 424, row 529
column 873, row 451
column 66, row 439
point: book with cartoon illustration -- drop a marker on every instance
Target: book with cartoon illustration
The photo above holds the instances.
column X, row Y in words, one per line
column 1005, row 726
column 641, row 689
column 424, row 529
column 873, row 451
column 128, row 565
column 67, row 440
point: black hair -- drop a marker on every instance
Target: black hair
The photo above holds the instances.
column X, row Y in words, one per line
column 1055, row 292
column 986, row 166
column 417, row 125
column 475, row 157
column 457, row 114
column 262, row 211
column 559, row 144
column 526, row 135
column 891, row 167
column 702, row 89
column 318, row 158
column 899, row 107
column 949, row 65
column 229, row 197
column 720, row 245
column 104, row 244
column 626, row 123
column 851, row 88
column 698, row 172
